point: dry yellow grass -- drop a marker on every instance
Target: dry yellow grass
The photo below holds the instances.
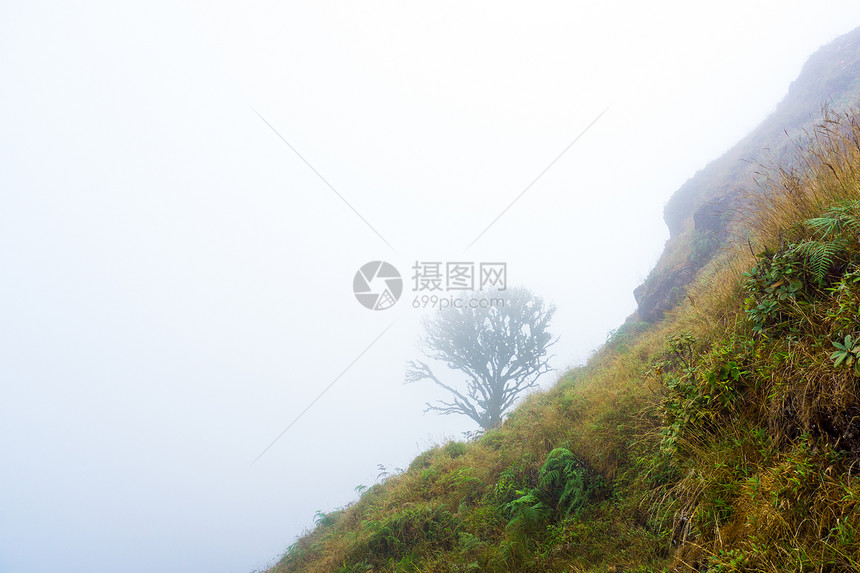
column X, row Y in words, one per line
column 747, row 485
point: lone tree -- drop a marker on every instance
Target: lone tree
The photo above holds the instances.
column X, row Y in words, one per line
column 502, row 349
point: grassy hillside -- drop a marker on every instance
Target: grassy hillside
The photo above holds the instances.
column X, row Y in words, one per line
column 724, row 437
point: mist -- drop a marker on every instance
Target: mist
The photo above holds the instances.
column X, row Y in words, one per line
column 188, row 190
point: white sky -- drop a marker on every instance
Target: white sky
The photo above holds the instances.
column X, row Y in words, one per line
column 176, row 282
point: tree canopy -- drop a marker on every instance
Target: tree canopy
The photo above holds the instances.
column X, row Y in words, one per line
column 501, row 348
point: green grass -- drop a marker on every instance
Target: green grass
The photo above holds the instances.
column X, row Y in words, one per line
column 724, row 438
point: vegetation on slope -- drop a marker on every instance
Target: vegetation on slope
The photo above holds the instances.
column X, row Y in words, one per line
column 700, row 214
column 725, row 438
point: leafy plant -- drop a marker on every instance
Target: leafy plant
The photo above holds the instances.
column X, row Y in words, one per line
column 834, row 233
column 563, row 490
column 323, row 519
column 774, row 284
column 783, row 280
column 415, row 526
column 563, row 477
column 841, row 218
column 821, row 256
column 723, row 381
column 847, row 352
column 455, row 449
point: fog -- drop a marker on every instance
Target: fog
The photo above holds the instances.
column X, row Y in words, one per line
column 176, row 280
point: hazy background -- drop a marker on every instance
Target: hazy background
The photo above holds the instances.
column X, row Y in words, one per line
column 175, row 283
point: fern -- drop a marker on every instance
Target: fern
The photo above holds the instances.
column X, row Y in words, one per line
column 562, row 491
column 562, row 476
column 528, row 509
column 831, row 239
column 821, row 256
column 841, row 218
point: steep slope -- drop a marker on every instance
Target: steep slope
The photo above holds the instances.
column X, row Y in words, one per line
column 700, row 213
column 724, row 437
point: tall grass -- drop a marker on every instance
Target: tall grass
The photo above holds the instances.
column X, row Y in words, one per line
column 721, row 441
column 825, row 170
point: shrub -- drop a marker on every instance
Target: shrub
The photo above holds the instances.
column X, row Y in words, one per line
column 564, row 488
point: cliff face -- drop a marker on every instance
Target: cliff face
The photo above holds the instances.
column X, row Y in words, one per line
column 700, row 213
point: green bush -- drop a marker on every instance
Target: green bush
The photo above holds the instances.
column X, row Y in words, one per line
column 564, row 488
column 411, row 530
